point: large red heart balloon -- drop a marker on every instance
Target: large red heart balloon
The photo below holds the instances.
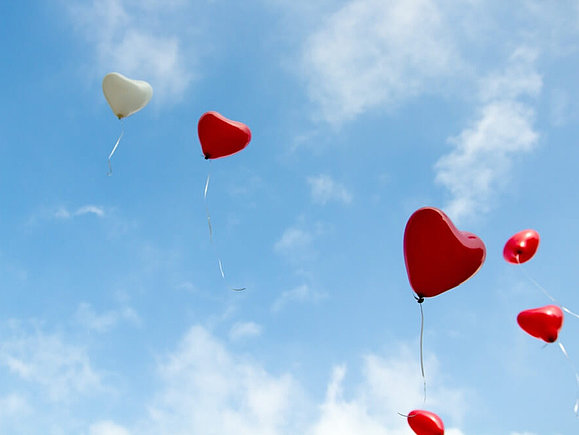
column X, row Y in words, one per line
column 438, row 256
column 425, row 423
column 521, row 247
column 544, row 322
column 221, row 137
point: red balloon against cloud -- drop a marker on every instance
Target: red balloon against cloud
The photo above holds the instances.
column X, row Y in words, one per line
column 521, row 247
column 221, row 137
column 544, row 322
column 425, row 423
column 438, row 256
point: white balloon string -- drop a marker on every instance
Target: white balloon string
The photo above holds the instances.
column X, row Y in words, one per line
column 115, row 147
column 221, row 268
column 211, row 232
column 420, row 300
column 207, row 208
column 545, row 292
column 576, row 406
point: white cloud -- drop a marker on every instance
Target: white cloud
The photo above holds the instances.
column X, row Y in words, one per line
column 90, row 209
column 60, row 369
column 129, row 37
column 478, row 166
column 243, row 330
column 65, row 213
column 293, row 239
column 389, row 386
column 105, row 321
column 210, row 391
column 302, row 293
column 376, row 52
column 325, row 189
column 13, row 404
column 107, row 428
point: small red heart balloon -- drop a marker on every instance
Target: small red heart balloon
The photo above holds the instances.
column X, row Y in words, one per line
column 521, row 247
column 425, row 423
column 544, row 322
column 221, row 137
column 439, row 257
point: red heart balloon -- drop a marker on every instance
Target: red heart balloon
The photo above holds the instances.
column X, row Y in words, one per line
column 221, row 137
column 425, row 423
column 438, row 256
column 521, row 247
column 544, row 323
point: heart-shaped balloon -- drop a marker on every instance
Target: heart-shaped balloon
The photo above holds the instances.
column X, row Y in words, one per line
column 521, row 247
column 124, row 95
column 221, row 137
column 438, row 256
column 425, row 423
column 544, row 322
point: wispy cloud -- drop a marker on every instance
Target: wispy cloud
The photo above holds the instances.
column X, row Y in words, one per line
column 388, row 383
column 302, row 294
column 478, row 166
column 62, row 370
column 13, row 405
column 129, row 37
column 242, row 330
column 107, row 428
column 375, row 52
column 104, row 322
column 65, row 213
column 209, row 389
column 325, row 189
column 294, row 239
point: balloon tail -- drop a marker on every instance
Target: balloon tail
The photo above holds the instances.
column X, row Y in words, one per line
column 115, row 148
column 221, row 268
column 207, row 208
column 211, row 232
column 545, row 292
column 420, row 300
column 576, row 406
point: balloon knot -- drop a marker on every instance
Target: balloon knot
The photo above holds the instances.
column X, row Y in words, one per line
column 207, row 157
column 419, row 299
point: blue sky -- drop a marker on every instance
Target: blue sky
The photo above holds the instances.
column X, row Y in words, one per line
column 114, row 317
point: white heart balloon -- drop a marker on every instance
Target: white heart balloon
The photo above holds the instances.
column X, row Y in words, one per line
column 124, row 95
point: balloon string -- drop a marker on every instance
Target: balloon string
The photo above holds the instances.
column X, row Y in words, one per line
column 115, row 148
column 545, row 292
column 207, row 209
column 211, row 232
column 420, row 300
column 576, row 406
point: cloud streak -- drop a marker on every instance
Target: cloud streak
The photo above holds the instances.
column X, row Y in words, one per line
column 106, row 321
column 65, row 213
column 301, row 294
column 325, row 189
column 478, row 166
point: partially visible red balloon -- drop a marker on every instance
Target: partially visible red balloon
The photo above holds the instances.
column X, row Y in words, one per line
column 544, row 322
column 521, row 247
column 425, row 423
column 221, row 137
column 438, row 256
